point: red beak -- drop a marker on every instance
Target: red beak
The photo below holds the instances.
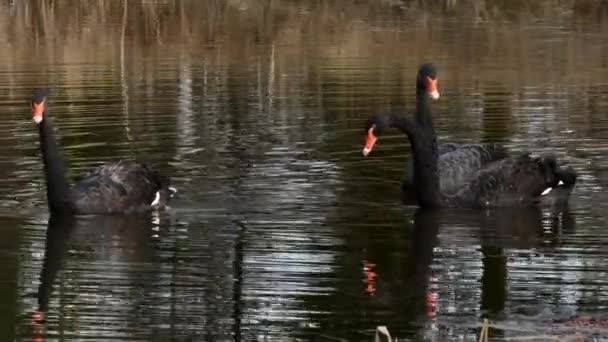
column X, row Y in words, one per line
column 433, row 88
column 38, row 111
column 370, row 141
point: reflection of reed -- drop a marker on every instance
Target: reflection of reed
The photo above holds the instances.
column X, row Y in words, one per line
column 123, row 78
column 402, row 34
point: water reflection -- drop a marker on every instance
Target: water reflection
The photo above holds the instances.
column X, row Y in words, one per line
column 57, row 233
column 87, row 269
column 405, row 288
column 481, row 249
column 456, row 247
column 282, row 230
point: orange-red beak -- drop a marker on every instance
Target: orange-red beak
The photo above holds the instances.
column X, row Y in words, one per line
column 38, row 111
column 433, row 88
column 370, row 141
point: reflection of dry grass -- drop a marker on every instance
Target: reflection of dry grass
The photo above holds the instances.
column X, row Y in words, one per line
column 489, row 41
column 398, row 31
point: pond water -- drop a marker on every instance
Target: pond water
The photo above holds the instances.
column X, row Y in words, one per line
column 281, row 230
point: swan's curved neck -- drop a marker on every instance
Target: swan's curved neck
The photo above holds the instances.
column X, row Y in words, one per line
column 424, row 150
column 57, row 188
column 403, row 124
column 424, row 117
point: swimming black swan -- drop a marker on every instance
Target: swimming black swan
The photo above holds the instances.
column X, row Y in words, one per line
column 122, row 187
column 520, row 181
column 456, row 162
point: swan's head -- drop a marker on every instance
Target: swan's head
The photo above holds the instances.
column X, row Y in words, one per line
column 39, row 105
column 374, row 127
column 427, row 80
column 426, row 83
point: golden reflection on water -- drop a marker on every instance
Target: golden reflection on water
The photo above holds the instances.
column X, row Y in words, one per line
column 506, row 41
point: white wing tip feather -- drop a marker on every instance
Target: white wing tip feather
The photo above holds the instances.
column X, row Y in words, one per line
column 156, row 199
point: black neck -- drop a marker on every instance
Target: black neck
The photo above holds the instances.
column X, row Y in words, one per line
column 57, row 188
column 57, row 233
column 401, row 123
column 424, row 150
column 424, row 116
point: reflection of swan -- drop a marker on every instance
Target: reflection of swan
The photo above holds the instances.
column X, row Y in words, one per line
column 454, row 263
column 423, row 243
column 505, row 228
column 95, row 237
column 485, row 248
column 57, row 233
column 397, row 276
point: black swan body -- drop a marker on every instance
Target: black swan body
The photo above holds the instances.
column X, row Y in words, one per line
column 118, row 188
column 505, row 182
column 456, row 162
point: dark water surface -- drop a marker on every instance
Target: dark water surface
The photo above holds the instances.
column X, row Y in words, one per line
column 281, row 230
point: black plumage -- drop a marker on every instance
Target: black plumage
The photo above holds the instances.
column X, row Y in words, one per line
column 117, row 188
column 467, row 175
column 456, row 162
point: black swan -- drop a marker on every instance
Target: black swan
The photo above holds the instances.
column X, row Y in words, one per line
column 456, row 162
column 122, row 187
column 506, row 182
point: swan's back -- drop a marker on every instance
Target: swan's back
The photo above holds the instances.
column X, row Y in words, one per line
column 122, row 187
column 461, row 162
column 457, row 163
column 512, row 182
